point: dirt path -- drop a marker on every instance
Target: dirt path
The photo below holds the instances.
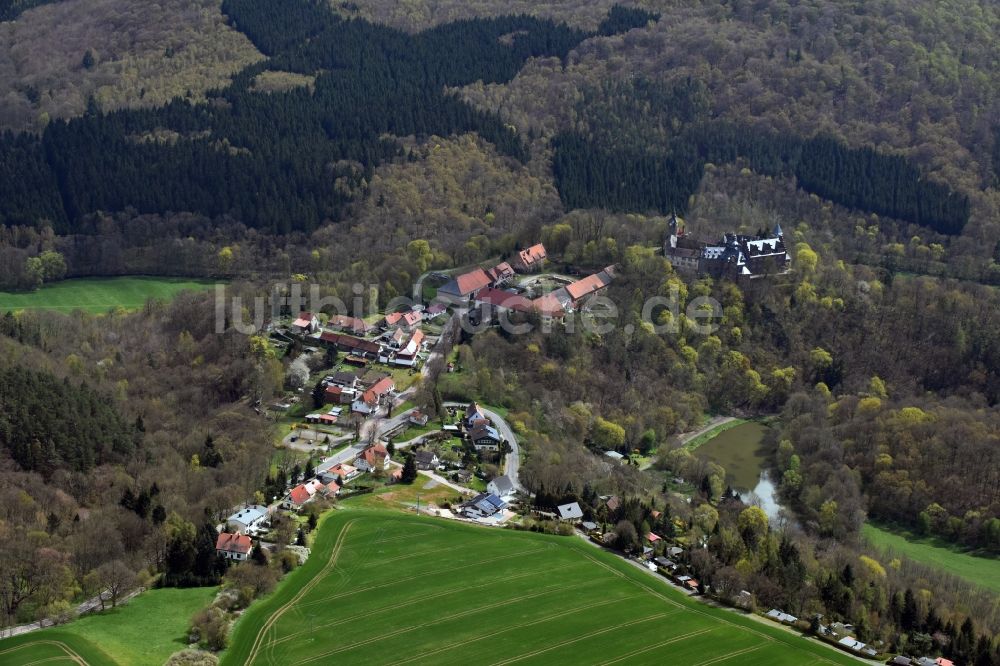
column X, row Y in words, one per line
column 713, row 422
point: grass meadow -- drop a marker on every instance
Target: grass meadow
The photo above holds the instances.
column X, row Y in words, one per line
column 145, row 631
column 981, row 571
column 384, row 587
column 98, row 295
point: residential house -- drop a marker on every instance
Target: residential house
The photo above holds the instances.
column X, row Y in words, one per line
column 941, row 661
column 483, row 505
column 571, row 511
column 464, row 287
column 485, row 438
column 247, row 519
column 614, row 455
column 407, row 355
column 474, row 416
column 612, row 502
column 900, row 660
column 653, row 538
column 374, row 396
column 344, row 472
column 372, row 458
column 495, row 301
column 418, row 418
column 339, row 395
column 434, row 311
column 462, row 476
column 298, row 496
column 425, row 459
column 406, row 320
column 531, row 259
column 500, row 274
column 234, row 546
column 343, row 378
column 306, row 323
column 502, row 487
column 352, row 325
column 331, row 489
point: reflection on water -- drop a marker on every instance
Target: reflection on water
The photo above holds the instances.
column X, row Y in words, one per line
column 764, row 495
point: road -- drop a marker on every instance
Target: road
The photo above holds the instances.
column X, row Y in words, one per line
column 512, row 463
column 89, row 606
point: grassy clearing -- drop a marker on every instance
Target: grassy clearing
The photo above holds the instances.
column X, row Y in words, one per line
column 710, row 434
column 98, row 295
column 981, row 571
column 385, row 587
column 146, row 630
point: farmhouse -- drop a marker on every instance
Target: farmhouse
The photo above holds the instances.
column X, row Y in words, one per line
column 502, row 487
column 306, row 323
column 485, row 438
column 247, row 519
column 426, row 459
column 233, row 546
column 588, row 286
column 464, row 287
column 531, row 259
column 351, row 344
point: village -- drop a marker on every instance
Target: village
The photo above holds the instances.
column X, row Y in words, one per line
column 363, row 429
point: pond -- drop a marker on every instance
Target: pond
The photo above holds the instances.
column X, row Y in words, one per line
column 742, row 451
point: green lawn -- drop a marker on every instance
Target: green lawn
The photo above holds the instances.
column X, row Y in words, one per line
column 146, row 630
column 385, row 587
column 981, row 571
column 98, row 295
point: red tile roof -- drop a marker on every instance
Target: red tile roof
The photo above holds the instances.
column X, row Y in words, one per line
column 350, row 343
column 413, row 346
column 471, row 281
column 380, row 388
column 505, row 299
column 353, row 324
column 501, row 271
column 548, row 305
column 299, row 494
column 233, row 543
column 588, row 285
column 533, row 255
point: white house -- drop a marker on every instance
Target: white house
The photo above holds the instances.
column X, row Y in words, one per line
column 247, row 519
column 306, row 322
column 502, row 487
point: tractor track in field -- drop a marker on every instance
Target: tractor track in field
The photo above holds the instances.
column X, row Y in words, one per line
column 273, row 619
column 675, row 639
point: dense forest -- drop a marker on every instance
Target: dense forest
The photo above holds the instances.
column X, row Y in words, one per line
column 314, row 148
column 10, row 9
column 596, row 176
column 46, row 424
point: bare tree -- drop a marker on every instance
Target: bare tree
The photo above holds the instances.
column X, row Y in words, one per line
column 116, row 579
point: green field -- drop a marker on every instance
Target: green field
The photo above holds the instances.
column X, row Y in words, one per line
column 146, row 630
column 98, row 295
column 981, row 571
column 385, row 587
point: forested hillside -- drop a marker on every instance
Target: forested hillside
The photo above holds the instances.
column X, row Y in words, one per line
column 58, row 60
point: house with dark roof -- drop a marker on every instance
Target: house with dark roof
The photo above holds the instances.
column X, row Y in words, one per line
column 502, row 487
column 351, row 344
column 233, row 546
column 530, row 259
column 474, row 416
column 464, row 287
column 425, row 459
column 483, row 505
column 485, row 438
